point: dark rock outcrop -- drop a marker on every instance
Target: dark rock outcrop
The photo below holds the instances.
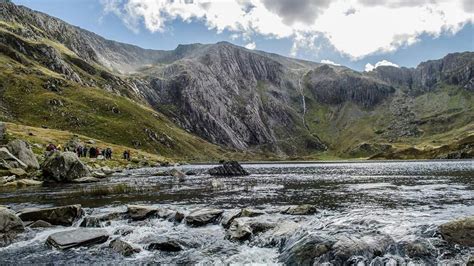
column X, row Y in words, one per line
column 77, row 238
column 231, row 168
column 64, row 167
column 64, row 215
column 169, row 245
column 459, row 231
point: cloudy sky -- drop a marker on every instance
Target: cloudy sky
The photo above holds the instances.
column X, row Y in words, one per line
column 361, row 34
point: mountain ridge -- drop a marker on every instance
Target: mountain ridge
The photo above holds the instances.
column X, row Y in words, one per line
column 247, row 100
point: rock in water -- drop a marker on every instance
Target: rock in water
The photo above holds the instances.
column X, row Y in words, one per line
column 231, row 168
column 64, row 167
column 77, row 238
column 203, row 217
column 243, row 228
column 459, row 231
column 123, row 247
column 22, row 150
column 10, row 226
column 65, row 215
column 169, row 245
column 8, row 160
column 305, row 209
column 138, row 212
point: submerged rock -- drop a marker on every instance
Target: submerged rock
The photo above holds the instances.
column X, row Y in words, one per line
column 64, row 215
column 229, row 216
column 459, row 231
column 10, row 226
column 177, row 174
column 77, row 238
column 305, row 209
column 123, row 247
column 169, row 245
column 64, row 167
column 203, row 216
column 248, row 212
column 22, row 150
column 231, row 168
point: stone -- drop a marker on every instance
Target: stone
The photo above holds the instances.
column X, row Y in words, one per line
column 107, row 170
column 139, row 212
column 22, row 150
column 8, row 160
column 179, row 217
column 305, row 209
column 18, row 172
column 178, row 174
column 99, row 174
column 123, row 247
column 10, row 226
column 419, row 248
column 203, row 216
column 97, row 221
column 217, row 184
column 248, row 212
column 7, row 179
column 24, row 183
column 64, row 215
column 169, row 245
column 243, row 228
column 86, row 179
column 77, row 238
column 40, row 224
column 64, row 167
column 230, row 168
column 229, row 216
column 459, row 231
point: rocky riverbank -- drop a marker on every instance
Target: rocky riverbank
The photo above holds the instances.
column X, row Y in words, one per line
column 281, row 228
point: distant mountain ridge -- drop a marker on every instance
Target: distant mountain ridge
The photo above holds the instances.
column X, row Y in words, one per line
column 252, row 100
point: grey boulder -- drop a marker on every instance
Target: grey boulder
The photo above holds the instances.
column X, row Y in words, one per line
column 22, row 150
column 64, row 167
column 8, row 160
column 459, row 231
column 77, row 238
column 231, row 168
column 123, row 247
column 10, row 226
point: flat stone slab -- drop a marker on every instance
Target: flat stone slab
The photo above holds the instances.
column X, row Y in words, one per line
column 203, row 216
column 64, row 215
column 77, row 238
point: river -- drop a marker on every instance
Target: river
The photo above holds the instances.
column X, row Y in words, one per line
column 405, row 200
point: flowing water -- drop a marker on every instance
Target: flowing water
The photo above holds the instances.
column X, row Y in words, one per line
column 405, row 200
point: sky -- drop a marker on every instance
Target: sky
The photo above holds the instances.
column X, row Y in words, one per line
column 360, row 34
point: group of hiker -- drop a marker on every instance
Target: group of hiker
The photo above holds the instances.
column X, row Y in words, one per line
column 84, row 151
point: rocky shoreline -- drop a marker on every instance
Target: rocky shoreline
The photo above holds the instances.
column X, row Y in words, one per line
column 245, row 226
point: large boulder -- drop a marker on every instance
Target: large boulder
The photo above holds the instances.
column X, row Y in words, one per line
column 77, row 238
column 230, row 168
column 64, row 167
column 65, row 215
column 459, row 231
column 8, row 160
column 203, row 216
column 10, row 226
column 22, row 150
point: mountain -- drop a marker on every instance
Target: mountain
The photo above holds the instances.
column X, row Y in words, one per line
column 241, row 100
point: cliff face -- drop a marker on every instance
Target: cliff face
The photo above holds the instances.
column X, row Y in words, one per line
column 242, row 99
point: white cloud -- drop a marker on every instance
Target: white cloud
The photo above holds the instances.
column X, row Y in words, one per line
column 369, row 67
column 371, row 27
column 251, row 45
column 329, row 62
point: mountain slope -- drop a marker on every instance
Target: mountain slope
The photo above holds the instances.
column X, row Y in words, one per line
column 239, row 99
